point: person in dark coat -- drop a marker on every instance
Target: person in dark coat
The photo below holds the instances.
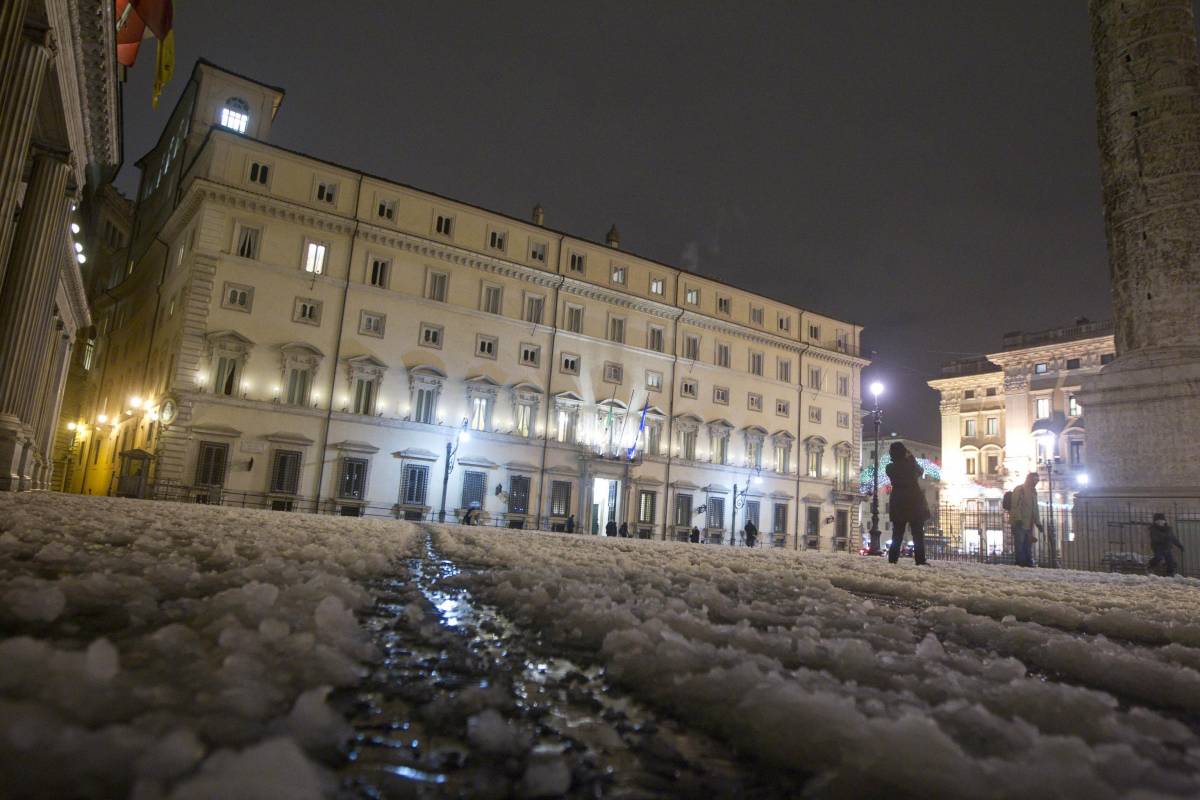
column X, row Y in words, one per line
column 907, row 506
column 750, row 534
column 1162, row 539
column 610, row 529
column 624, row 531
column 695, row 537
column 571, row 524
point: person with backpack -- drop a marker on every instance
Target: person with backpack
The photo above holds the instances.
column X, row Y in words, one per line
column 907, row 506
column 1023, row 516
column 1162, row 539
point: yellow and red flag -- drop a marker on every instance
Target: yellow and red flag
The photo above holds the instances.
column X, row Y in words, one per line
column 137, row 19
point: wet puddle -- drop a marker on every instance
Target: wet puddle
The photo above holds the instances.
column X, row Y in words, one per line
column 461, row 704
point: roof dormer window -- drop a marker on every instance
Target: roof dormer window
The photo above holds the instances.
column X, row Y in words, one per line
column 235, row 114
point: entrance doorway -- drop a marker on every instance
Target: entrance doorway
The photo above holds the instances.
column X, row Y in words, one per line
column 606, row 503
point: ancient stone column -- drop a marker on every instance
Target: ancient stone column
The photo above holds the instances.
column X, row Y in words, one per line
column 1142, row 411
column 36, row 256
column 22, row 85
column 12, row 21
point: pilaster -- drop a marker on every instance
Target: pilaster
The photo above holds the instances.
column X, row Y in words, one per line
column 22, row 86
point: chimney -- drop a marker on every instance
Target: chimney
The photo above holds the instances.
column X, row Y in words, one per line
column 613, row 239
column 539, row 215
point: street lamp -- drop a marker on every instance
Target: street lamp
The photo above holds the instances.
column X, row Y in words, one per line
column 1048, row 460
column 877, row 416
column 451, row 449
column 739, row 501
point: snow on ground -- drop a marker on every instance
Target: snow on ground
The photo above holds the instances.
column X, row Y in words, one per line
column 957, row 680
column 159, row 649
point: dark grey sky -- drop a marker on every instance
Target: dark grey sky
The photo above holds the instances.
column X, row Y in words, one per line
column 927, row 169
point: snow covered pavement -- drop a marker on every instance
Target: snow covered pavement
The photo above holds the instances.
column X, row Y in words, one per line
column 160, row 649
column 155, row 650
column 969, row 681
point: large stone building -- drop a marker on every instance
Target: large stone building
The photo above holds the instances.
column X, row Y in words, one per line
column 59, row 141
column 1017, row 411
column 289, row 331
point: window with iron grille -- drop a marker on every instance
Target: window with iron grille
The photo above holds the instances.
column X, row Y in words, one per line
column 518, row 494
column 416, row 482
column 285, row 472
column 474, row 489
column 353, row 480
column 812, row 520
column 647, row 501
column 210, row 463
column 560, row 498
column 751, row 512
column 716, row 512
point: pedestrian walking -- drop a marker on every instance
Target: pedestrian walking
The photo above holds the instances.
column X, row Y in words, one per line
column 1024, row 515
column 907, row 507
column 750, row 533
column 695, row 538
column 624, row 531
column 1162, row 539
column 571, row 524
column 610, row 528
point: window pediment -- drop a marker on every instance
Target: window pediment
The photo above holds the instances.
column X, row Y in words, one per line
column 228, row 342
column 365, row 366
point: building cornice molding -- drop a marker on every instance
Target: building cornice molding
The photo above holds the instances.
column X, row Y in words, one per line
column 591, row 291
column 93, row 41
column 748, row 334
column 269, row 206
column 1017, row 357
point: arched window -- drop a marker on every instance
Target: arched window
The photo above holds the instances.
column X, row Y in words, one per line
column 235, row 114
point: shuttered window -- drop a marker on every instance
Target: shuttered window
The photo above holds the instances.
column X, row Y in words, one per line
column 285, row 472
column 646, row 504
column 416, row 481
column 781, row 515
column 518, row 495
column 751, row 512
column 299, row 381
column 210, row 464
column 353, row 482
column 683, row 509
column 474, row 489
column 716, row 512
column 560, row 498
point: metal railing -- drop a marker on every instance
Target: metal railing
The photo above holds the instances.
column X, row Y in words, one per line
column 1111, row 540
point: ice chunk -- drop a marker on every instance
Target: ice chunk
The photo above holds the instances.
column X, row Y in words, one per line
column 930, row 648
column 269, row 770
column 314, row 724
column 491, row 733
column 102, row 662
column 547, row 775
column 171, row 756
column 38, row 603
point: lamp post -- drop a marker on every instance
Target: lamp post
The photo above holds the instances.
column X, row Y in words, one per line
column 739, row 501
column 1050, row 458
column 877, row 416
column 451, row 449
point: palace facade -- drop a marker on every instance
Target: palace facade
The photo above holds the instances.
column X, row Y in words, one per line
column 285, row 331
column 59, row 142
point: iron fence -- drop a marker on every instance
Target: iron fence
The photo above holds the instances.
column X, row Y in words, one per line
column 1081, row 537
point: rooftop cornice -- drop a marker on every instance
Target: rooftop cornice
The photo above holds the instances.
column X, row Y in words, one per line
column 1007, row 358
column 995, row 378
column 94, row 50
column 749, row 334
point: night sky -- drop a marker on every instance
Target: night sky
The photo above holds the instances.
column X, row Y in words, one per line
column 926, row 169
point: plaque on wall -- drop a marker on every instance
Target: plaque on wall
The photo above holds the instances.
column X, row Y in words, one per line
column 253, row 447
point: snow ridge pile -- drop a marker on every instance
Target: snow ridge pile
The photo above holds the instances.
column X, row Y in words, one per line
column 949, row 681
column 155, row 650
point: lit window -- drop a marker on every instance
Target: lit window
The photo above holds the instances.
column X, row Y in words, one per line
column 754, row 402
column 235, row 114
column 1073, row 407
column 1040, row 368
column 656, row 286
column 314, row 257
column 480, row 412
column 692, row 296
column 537, row 252
column 993, row 426
column 1042, row 408
column 618, row 275
column 613, row 373
column 497, row 240
column 654, row 381
column 721, row 395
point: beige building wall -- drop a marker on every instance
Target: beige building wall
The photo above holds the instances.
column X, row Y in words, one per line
column 488, row 314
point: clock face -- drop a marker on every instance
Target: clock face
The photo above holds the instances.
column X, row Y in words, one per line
column 168, row 412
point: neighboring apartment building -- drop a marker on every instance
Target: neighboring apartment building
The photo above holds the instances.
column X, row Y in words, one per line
column 60, row 139
column 290, row 331
column 1006, row 415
